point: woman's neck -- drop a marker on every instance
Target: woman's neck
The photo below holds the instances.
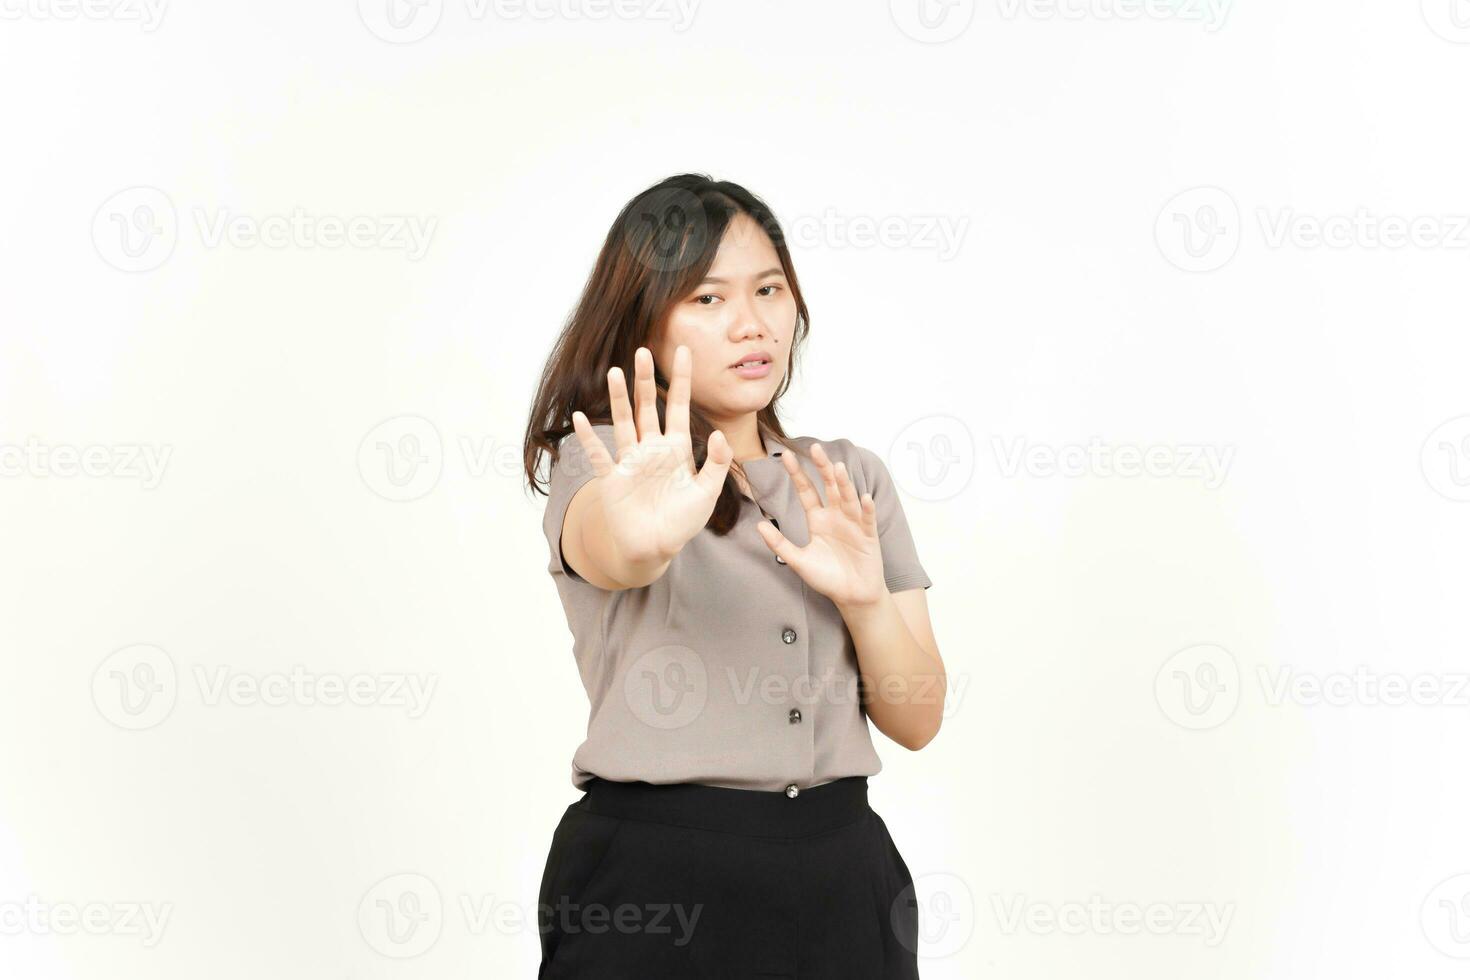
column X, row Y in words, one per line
column 743, row 435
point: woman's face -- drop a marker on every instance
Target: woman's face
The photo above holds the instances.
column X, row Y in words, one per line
column 743, row 306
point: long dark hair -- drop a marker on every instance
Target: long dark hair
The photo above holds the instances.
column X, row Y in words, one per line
column 657, row 251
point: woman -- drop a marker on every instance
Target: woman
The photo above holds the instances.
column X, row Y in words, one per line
column 741, row 603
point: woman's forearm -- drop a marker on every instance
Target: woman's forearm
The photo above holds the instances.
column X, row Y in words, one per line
column 592, row 551
column 904, row 682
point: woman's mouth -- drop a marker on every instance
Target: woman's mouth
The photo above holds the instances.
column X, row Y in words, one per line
column 752, row 369
column 756, row 364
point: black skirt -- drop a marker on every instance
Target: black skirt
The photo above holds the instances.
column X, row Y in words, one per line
column 683, row 881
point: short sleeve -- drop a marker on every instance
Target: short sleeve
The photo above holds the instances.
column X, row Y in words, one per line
column 571, row 471
column 901, row 567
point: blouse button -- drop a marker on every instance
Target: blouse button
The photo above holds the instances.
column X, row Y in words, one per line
column 794, row 716
column 788, row 635
column 780, row 560
column 791, row 791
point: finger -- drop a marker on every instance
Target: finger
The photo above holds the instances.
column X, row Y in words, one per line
column 778, row 543
column 645, row 394
column 717, row 458
column 592, row 446
column 676, row 411
column 806, row 492
column 870, row 516
column 824, row 466
column 847, row 494
column 625, row 436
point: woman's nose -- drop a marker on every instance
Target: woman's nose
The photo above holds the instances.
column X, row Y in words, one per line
column 747, row 321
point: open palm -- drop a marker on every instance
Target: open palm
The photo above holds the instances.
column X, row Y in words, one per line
column 651, row 496
column 843, row 559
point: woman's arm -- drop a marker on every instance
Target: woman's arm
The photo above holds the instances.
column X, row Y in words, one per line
column 624, row 526
column 593, row 554
column 898, row 659
column 903, row 675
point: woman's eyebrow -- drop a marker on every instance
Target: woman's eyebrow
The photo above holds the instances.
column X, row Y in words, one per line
column 759, row 275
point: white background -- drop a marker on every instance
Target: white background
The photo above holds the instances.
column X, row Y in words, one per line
column 1085, row 759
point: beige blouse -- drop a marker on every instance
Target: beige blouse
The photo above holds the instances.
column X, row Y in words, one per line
column 728, row 670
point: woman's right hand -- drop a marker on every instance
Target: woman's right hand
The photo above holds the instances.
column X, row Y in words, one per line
column 651, row 497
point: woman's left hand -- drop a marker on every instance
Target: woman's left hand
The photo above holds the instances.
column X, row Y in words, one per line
column 842, row 560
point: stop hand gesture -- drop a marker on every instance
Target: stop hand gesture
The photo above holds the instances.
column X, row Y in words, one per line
column 843, row 559
column 652, row 499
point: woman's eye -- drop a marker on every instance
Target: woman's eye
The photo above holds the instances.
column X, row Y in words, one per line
column 701, row 300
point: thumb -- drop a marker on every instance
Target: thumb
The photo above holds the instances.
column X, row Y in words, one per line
column 717, row 459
